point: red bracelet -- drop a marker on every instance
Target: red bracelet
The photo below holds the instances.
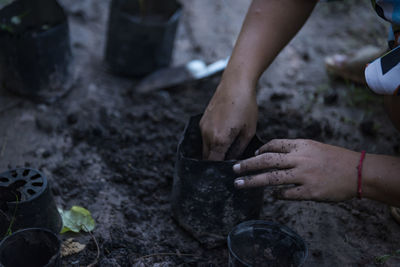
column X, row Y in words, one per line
column 359, row 168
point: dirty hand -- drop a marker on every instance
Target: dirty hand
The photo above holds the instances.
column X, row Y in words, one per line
column 229, row 122
column 319, row 171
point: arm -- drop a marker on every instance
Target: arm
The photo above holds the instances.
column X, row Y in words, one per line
column 322, row 172
column 231, row 114
column 382, row 179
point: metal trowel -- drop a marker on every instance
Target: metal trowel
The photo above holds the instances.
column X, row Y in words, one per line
column 174, row 76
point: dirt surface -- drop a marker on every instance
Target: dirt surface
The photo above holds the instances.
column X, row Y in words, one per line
column 108, row 149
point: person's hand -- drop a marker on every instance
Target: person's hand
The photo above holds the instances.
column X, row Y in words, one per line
column 319, row 171
column 229, row 122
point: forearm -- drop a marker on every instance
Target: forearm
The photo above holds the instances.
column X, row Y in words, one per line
column 269, row 25
column 381, row 178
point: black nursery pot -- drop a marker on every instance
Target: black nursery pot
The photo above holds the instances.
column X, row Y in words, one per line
column 35, row 206
column 140, row 39
column 261, row 243
column 32, row 247
column 35, row 53
column 204, row 199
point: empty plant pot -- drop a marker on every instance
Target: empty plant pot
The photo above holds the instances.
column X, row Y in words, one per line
column 26, row 201
column 261, row 243
column 141, row 35
column 204, row 199
column 35, row 50
column 32, row 247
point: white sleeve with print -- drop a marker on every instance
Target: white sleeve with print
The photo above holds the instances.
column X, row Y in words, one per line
column 383, row 74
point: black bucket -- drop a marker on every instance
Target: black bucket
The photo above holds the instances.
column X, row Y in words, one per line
column 32, row 247
column 140, row 39
column 204, row 199
column 27, row 202
column 35, row 49
column 261, row 243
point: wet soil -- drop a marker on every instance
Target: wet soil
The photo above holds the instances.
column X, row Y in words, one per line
column 112, row 151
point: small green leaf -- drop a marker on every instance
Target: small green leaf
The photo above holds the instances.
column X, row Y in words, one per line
column 6, row 27
column 382, row 259
column 77, row 219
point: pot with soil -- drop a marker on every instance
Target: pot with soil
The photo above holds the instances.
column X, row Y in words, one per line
column 35, row 50
column 26, row 201
column 261, row 243
column 32, row 247
column 141, row 35
column 204, row 199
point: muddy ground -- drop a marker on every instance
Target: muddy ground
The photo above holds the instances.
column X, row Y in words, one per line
column 111, row 150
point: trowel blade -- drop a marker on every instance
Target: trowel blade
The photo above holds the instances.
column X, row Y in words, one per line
column 165, row 78
column 174, row 76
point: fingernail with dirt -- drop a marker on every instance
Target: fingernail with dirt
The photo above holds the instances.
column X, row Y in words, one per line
column 236, row 167
column 239, row 183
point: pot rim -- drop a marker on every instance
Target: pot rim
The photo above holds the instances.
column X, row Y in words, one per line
column 39, row 193
column 36, row 229
column 268, row 224
column 137, row 19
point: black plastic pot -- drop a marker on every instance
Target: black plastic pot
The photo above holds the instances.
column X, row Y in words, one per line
column 140, row 39
column 204, row 199
column 27, row 202
column 261, row 243
column 32, row 247
column 35, row 49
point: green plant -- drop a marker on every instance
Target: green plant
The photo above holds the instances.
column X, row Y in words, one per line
column 15, row 20
column 9, row 229
column 382, row 259
column 76, row 219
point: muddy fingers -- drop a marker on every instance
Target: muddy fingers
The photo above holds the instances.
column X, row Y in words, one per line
column 265, row 161
column 278, row 146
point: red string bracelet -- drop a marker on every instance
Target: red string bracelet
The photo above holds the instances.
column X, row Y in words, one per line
column 359, row 168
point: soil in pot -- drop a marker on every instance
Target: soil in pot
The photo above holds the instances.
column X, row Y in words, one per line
column 42, row 71
column 33, row 247
column 140, row 37
column 261, row 243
